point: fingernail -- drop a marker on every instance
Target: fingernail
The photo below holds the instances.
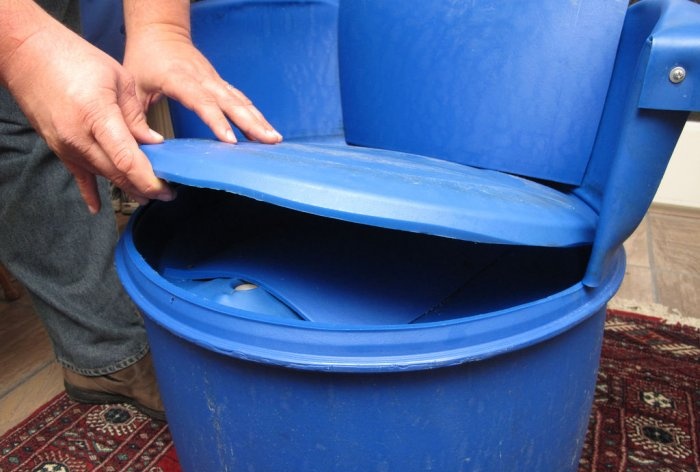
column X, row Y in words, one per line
column 92, row 209
column 156, row 135
column 167, row 196
column 273, row 133
column 230, row 137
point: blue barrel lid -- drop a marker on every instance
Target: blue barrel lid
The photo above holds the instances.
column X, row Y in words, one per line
column 383, row 188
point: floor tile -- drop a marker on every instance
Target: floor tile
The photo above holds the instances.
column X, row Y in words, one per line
column 637, row 285
column 675, row 243
column 24, row 344
column 38, row 389
column 679, row 290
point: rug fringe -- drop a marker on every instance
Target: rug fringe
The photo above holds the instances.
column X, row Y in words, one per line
column 654, row 310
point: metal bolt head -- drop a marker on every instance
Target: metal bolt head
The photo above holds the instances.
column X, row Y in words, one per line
column 677, row 75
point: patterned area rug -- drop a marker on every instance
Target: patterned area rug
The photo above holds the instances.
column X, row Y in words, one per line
column 645, row 417
column 63, row 436
column 647, row 400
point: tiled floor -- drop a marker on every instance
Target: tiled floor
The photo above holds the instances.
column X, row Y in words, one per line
column 663, row 264
column 663, row 276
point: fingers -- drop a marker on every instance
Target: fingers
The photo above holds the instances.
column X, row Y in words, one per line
column 85, row 165
column 216, row 101
column 162, row 64
column 129, row 161
column 133, row 113
column 249, row 120
column 104, row 144
column 118, row 157
column 84, row 104
column 87, row 185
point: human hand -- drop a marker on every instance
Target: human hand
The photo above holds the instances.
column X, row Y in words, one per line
column 164, row 61
column 84, row 104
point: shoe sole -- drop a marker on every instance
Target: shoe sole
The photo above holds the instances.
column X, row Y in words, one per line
column 102, row 398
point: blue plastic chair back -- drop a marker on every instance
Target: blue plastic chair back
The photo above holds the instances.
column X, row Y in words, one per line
column 511, row 86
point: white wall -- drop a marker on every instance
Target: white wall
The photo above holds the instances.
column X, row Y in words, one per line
column 681, row 183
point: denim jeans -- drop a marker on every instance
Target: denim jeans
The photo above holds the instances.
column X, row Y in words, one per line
column 61, row 253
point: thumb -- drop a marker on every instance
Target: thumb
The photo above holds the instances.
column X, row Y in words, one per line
column 134, row 115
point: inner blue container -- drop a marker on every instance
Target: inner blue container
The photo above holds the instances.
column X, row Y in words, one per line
column 362, row 348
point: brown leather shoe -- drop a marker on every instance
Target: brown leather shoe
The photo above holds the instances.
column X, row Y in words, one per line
column 135, row 385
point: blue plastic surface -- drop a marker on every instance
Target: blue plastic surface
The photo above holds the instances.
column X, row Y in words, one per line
column 380, row 337
column 634, row 143
column 233, row 292
column 338, row 273
column 521, row 412
column 102, row 24
column 480, row 325
column 240, row 381
column 675, row 42
column 634, row 140
column 511, row 86
column 383, row 188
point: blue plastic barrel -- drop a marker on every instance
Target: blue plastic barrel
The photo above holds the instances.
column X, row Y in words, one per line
column 485, row 361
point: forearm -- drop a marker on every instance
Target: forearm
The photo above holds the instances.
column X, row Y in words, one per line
column 20, row 20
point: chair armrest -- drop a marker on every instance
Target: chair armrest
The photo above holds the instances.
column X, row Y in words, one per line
column 644, row 116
